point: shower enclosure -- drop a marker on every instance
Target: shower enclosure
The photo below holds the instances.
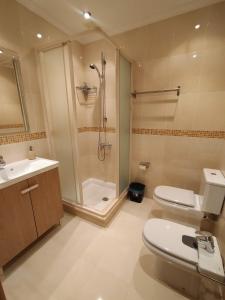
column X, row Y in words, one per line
column 87, row 101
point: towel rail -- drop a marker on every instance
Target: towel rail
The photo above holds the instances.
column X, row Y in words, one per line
column 135, row 93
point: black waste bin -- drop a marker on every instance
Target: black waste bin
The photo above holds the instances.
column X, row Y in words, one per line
column 136, row 191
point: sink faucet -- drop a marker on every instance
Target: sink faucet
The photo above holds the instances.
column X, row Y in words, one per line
column 2, row 162
column 205, row 240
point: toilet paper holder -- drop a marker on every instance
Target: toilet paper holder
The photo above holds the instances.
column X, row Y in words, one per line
column 144, row 165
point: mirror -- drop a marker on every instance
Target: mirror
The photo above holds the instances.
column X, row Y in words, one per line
column 12, row 104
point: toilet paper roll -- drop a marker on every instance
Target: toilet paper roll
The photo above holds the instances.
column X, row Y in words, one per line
column 142, row 167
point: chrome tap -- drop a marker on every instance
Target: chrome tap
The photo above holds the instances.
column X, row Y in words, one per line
column 2, row 162
column 205, row 240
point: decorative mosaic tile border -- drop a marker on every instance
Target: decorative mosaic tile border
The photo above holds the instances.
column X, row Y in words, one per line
column 21, row 137
column 166, row 132
column 177, row 132
column 8, row 126
column 29, row 136
column 96, row 129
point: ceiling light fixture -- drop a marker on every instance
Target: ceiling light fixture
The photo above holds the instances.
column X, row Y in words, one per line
column 1, row 51
column 194, row 55
column 197, row 26
column 39, row 35
column 87, row 15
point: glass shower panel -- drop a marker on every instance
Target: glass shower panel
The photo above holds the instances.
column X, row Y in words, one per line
column 95, row 82
column 54, row 74
column 124, row 122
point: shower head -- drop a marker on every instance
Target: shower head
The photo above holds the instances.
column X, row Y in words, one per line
column 94, row 67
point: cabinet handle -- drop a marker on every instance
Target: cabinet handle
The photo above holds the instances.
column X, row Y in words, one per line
column 31, row 188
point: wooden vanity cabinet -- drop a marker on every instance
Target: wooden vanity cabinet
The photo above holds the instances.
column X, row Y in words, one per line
column 27, row 210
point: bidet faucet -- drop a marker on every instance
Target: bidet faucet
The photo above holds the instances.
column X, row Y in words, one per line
column 205, row 240
column 2, row 162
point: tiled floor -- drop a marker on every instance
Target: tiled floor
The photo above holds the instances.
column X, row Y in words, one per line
column 95, row 190
column 81, row 261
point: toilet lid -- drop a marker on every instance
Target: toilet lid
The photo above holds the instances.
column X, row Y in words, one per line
column 176, row 195
column 167, row 237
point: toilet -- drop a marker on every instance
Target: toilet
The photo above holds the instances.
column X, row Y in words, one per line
column 177, row 244
column 209, row 200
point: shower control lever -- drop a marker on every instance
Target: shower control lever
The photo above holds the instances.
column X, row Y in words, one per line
column 106, row 145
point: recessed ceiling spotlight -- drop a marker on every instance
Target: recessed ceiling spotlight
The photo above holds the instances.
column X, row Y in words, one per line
column 87, row 15
column 1, row 51
column 39, row 35
column 197, row 26
column 194, row 55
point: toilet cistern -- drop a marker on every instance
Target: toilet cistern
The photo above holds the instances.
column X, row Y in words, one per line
column 212, row 191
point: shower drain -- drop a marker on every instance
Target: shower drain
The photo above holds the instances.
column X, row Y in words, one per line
column 105, row 199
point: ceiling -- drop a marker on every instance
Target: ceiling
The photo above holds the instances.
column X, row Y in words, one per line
column 113, row 16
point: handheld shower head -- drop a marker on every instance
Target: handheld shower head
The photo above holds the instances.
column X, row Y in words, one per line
column 94, row 67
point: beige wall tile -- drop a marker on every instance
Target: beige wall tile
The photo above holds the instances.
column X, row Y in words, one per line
column 184, row 112
column 210, row 107
column 164, row 59
column 176, row 161
column 185, row 38
column 212, row 69
column 152, row 73
column 90, row 166
column 215, row 26
column 18, row 151
column 185, row 71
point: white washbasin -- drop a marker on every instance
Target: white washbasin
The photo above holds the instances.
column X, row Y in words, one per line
column 23, row 169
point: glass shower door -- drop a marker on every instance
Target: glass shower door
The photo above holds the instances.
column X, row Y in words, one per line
column 124, row 122
column 55, row 76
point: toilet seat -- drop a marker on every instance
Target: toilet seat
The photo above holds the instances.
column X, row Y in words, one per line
column 184, row 201
column 175, row 195
column 164, row 238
